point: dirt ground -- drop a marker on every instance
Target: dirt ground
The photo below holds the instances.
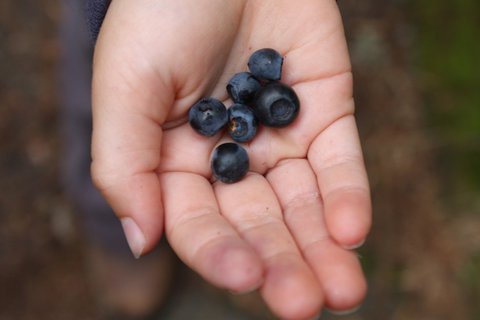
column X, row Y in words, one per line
column 416, row 256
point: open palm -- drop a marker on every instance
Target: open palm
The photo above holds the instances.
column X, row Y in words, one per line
column 286, row 227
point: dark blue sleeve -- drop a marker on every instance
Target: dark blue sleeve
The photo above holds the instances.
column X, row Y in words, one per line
column 96, row 10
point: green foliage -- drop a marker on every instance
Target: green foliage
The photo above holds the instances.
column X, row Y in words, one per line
column 471, row 279
column 448, row 55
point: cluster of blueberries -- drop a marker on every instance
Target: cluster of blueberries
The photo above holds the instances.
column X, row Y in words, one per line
column 258, row 98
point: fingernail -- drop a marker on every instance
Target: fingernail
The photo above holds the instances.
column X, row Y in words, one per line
column 247, row 290
column 344, row 312
column 355, row 246
column 135, row 237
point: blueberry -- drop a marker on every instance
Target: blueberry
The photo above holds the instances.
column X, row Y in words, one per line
column 208, row 116
column 242, row 87
column 266, row 64
column 276, row 105
column 242, row 123
column 229, row 162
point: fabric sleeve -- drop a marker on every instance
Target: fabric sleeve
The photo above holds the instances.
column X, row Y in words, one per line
column 95, row 12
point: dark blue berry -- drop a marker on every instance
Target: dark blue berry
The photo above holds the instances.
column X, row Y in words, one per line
column 242, row 123
column 276, row 105
column 229, row 162
column 242, row 87
column 266, row 64
column 208, row 116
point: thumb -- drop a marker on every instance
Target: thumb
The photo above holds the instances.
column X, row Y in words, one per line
column 130, row 103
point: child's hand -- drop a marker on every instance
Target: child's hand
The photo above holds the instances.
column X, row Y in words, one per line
column 285, row 226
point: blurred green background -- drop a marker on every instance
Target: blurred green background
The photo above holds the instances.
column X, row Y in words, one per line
column 417, row 93
column 447, row 55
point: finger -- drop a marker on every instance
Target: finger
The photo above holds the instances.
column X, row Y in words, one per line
column 202, row 238
column 252, row 208
column 126, row 144
column 338, row 270
column 336, row 158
